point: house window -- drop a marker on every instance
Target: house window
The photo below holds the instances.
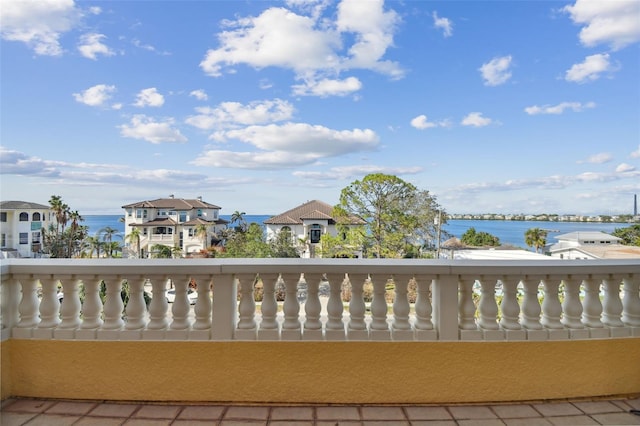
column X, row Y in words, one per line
column 24, row 238
column 35, row 237
column 286, row 233
column 3, row 217
column 183, row 217
column 36, row 217
column 24, row 217
column 315, row 233
column 4, row 240
column 191, row 232
column 199, row 213
column 141, row 214
column 144, row 231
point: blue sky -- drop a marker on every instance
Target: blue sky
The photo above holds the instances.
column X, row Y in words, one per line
column 492, row 106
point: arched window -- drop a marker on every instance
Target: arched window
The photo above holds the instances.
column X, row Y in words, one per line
column 286, row 233
column 36, row 217
column 24, row 217
column 314, row 233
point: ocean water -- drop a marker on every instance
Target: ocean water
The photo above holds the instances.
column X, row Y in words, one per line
column 509, row 232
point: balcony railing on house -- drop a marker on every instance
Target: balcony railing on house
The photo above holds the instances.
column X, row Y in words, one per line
column 455, row 300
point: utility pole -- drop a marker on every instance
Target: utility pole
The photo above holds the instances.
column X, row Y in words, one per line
column 438, row 221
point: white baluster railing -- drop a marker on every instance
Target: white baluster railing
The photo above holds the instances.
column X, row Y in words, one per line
column 444, row 307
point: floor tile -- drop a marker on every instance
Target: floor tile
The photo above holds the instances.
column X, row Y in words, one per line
column 99, row 421
column 113, row 410
column 557, row 409
column 53, row 420
column 481, row 422
column 596, row 407
column 338, row 423
column 382, row 413
column 291, row 423
column 77, row 408
column 434, row 423
column 514, row 411
column 337, row 413
column 147, row 422
column 617, row 418
column 15, row 419
column 572, row 420
column 427, row 413
column 169, row 412
column 29, row 406
column 291, row 413
column 201, row 412
column 247, row 413
column 531, row 421
column 385, row 423
column 463, row 412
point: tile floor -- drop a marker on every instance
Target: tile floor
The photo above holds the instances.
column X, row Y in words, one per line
column 33, row 412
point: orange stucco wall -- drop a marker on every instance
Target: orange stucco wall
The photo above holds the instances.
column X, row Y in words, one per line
column 320, row 372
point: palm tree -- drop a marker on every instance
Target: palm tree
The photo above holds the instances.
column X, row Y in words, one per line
column 202, row 232
column 535, row 237
column 94, row 244
column 107, row 236
column 60, row 210
column 134, row 236
column 238, row 216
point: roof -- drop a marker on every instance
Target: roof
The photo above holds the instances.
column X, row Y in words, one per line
column 587, row 236
column 199, row 221
column 164, row 221
column 604, row 251
column 311, row 210
column 173, row 204
column 491, row 254
column 21, row 205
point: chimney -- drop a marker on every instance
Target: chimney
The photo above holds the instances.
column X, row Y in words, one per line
column 171, row 196
column 199, row 197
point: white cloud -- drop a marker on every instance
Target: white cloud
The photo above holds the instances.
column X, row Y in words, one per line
column 476, row 119
column 149, row 97
column 97, row 95
column 199, row 94
column 607, row 22
column 39, row 24
column 496, row 71
column 600, row 158
column 328, row 87
column 146, row 128
column 254, row 160
column 444, row 24
column 91, row 46
column 624, row 167
column 421, row 122
column 349, row 172
column 636, row 153
column 312, row 46
column 558, row 109
column 230, row 114
column 590, row 69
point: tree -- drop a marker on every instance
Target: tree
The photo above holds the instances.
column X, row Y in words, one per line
column 282, row 245
column 160, row 251
column 107, row 237
column 202, row 232
column 134, row 236
column 396, row 213
column 247, row 244
column 630, row 235
column 479, row 239
column 59, row 241
column 238, row 216
column 535, row 237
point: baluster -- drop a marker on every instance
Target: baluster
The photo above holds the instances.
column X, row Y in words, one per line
column 136, row 306
column 509, row 306
column 92, row 306
column 181, row 307
column 531, row 305
column 612, row 303
column 291, row 326
column 551, row 308
column 466, row 307
column 488, row 308
column 571, row 306
column 113, row 306
column 269, row 325
column 246, row 328
column 631, row 301
column 335, row 307
column 401, row 306
column 313, row 307
column 357, row 326
column 70, row 309
column 423, row 305
column 202, row 309
column 50, row 305
column 158, row 307
column 379, row 310
column 592, row 304
column 28, row 307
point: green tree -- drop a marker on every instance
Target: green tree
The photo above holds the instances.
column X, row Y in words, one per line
column 107, row 237
column 282, row 245
column 479, row 239
column 396, row 213
column 535, row 237
column 160, row 251
column 202, row 231
column 135, row 236
column 247, row 244
column 630, row 235
column 238, row 216
column 59, row 241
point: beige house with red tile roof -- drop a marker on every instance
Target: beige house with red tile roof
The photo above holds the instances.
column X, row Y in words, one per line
column 307, row 222
column 172, row 222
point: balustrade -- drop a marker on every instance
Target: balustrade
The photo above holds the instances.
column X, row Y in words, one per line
column 323, row 300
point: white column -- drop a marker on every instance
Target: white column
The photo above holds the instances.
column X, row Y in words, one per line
column 530, row 304
column 247, row 327
column 379, row 328
column 113, row 305
column 400, row 325
column 27, row 308
column 202, row 309
column 181, row 307
column 269, row 326
column 92, row 305
column 631, row 301
column 136, row 307
column 225, row 307
column 509, row 306
column 488, row 308
column 591, row 315
column 466, row 307
column 291, row 327
column 571, row 306
column 423, row 304
column 50, row 305
column 445, row 302
column 335, row 325
column 357, row 327
column 551, row 307
column 157, row 309
column 612, row 304
column 312, row 308
column 70, row 309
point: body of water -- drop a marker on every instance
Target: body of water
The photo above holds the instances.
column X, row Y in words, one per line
column 509, row 232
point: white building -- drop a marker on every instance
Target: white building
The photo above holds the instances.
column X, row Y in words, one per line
column 591, row 245
column 307, row 222
column 21, row 224
column 172, row 222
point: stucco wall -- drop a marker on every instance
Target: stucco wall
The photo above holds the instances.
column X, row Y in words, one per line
column 320, row 372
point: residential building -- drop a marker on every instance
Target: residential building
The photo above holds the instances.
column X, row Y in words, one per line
column 21, row 224
column 590, row 245
column 306, row 224
column 174, row 223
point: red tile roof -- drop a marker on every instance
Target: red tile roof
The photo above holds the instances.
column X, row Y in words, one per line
column 308, row 211
column 173, row 203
